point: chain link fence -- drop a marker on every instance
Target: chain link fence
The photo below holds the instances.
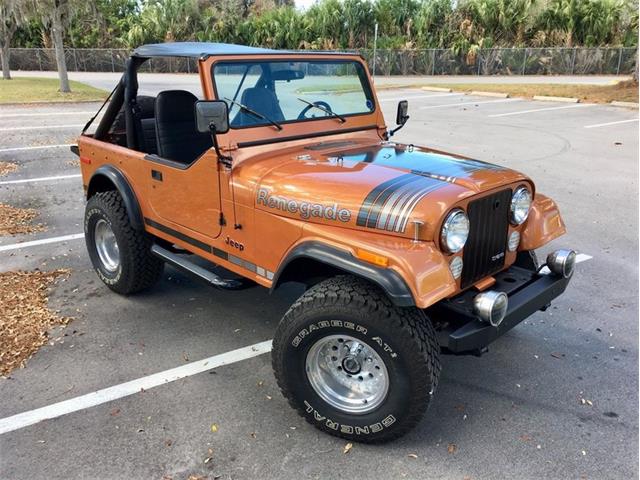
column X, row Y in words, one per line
column 494, row 61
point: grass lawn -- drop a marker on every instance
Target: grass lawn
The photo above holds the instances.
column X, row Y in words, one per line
column 625, row 91
column 29, row 90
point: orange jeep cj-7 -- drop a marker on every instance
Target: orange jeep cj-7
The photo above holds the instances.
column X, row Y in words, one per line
column 283, row 171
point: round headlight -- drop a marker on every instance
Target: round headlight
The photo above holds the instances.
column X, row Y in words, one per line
column 455, row 231
column 520, row 204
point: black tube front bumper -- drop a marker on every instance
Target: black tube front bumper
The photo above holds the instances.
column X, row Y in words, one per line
column 461, row 331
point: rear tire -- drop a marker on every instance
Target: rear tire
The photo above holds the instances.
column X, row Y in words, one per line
column 121, row 255
column 345, row 331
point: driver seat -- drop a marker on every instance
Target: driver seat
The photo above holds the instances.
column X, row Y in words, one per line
column 263, row 101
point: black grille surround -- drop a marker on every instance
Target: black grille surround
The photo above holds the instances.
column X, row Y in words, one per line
column 486, row 247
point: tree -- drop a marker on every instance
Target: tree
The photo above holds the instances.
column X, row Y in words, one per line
column 11, row 17
column 165, row 21
column 56, row 15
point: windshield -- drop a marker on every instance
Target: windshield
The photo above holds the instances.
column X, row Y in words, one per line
column 277, row 91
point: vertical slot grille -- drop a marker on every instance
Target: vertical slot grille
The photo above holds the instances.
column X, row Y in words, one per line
column 486, row 246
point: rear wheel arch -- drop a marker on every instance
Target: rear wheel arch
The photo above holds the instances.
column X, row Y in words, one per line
column 107, row 178
column 312, row 262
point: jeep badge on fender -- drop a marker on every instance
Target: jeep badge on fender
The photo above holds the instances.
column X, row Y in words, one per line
column 406, row 252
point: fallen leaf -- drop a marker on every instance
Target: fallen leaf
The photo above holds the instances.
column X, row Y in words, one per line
column 451, row 448
column 214, row 427
column 347, row 448
column 556, row 355
column 207, row 460
column 412, row 455
column 114, row 412
column 185, row 357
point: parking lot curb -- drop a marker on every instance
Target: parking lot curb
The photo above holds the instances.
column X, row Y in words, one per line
column 616, row 103
column 480, row 93
column 48, row 102
column 545, row 98
column 437, row 89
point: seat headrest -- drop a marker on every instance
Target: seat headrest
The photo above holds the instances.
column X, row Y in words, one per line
column 177, row 105
column 256, row 96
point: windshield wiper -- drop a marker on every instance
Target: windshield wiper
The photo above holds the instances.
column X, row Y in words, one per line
column 254, row 113
column 325, row 110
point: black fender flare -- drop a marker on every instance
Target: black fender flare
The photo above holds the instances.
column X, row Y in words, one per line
column 119, row 181
column 388, row 280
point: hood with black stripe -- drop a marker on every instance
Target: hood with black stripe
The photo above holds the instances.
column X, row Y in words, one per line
column 381, row 188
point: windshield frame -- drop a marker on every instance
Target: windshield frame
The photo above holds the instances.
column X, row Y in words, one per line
column 362, row 74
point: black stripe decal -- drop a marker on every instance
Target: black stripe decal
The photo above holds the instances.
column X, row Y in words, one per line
column 382, row 199
column 181, row 236
column 368, row 203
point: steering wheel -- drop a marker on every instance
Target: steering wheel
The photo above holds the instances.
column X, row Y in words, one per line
column 320, row 103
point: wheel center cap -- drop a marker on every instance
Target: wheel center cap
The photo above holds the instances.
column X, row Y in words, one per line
column 351, row 365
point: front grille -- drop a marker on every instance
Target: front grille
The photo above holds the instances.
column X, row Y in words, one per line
column 486, row 246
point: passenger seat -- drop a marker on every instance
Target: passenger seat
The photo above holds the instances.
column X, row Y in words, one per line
column 178, row 138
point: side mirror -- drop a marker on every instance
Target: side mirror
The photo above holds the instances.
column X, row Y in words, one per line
column 401, row 115
column 212, row 116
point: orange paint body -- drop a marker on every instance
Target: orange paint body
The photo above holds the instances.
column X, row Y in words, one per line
column 315, row 186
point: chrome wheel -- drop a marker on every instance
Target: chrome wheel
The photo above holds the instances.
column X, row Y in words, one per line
column 106, row 245
column 347, row 373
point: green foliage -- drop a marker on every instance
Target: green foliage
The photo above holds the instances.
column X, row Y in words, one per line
column 464, row 26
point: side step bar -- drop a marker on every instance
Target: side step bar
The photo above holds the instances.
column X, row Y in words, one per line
column 196, row 270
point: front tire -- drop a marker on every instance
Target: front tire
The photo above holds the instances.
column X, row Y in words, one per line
column 353, row 364
column 120, row 254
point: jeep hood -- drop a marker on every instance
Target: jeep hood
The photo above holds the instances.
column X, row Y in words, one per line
column 381, row 188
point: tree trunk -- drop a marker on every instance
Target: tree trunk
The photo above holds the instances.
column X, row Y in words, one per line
column 57, row 32
column 4, row 54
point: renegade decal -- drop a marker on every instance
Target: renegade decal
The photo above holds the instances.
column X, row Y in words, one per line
column 389, row 205
column 304, row 209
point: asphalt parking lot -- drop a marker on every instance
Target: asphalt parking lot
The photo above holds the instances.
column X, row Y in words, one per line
column 515, row 412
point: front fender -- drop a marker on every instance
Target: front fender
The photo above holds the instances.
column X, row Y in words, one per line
column 417, row 273
column 543, row 224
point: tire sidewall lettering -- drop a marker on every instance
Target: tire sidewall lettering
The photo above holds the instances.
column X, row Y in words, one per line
column 369, row 429
column 364, row 331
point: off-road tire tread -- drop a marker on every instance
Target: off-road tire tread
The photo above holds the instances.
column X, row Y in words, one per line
column 415, row 333
column 145, row 269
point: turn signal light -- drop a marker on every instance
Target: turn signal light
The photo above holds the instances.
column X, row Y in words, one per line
column 371, row 257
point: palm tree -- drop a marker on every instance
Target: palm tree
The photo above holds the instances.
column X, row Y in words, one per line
column 358, row 21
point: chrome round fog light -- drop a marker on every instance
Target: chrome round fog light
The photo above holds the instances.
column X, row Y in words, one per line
column 455, row 266
column 562, row 262
column 514, row 241
column 491, row 306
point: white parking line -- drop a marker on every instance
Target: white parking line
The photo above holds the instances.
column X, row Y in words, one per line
column 109, row 394
column 436, row 95
column 40, row 127
column 597, row 125
column 36, row 147
column 460, row 104
column 105, row 395
column 547, row 109
column 12, row 115
column 41, row 179
column 42, row 241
